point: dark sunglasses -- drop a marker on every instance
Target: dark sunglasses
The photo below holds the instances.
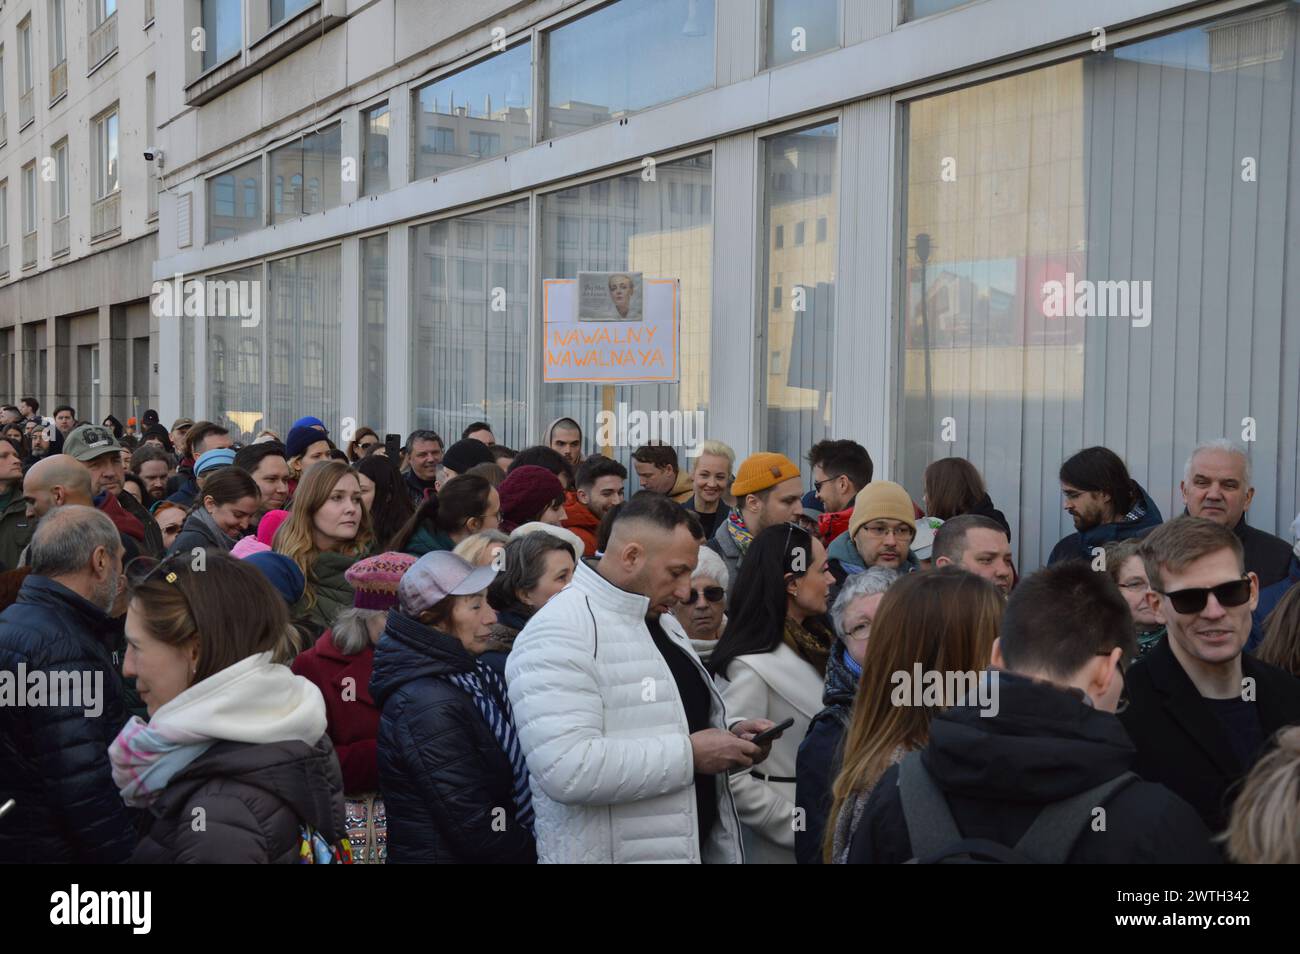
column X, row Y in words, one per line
column 711, row 593
column 1232, row 593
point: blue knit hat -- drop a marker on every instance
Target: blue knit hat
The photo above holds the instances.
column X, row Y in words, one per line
column 308, row 422
column 301, row 437
column 217, row 457
column 283, row 574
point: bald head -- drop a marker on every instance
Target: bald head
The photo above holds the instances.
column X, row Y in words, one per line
column 54, row 482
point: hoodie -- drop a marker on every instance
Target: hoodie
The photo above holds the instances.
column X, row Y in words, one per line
column 1144, row 516
column 1043, row 745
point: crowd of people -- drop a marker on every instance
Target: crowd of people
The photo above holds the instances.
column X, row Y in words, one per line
column 460, row 652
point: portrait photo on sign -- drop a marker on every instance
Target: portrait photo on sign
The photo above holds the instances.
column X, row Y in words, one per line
column 609, row 296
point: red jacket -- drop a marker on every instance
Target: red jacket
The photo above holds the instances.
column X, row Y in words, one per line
column 833, row 524
column 580, row 519
column 351, row 714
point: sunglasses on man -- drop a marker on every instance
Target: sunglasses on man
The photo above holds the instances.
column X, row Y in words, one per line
column 1193, row 600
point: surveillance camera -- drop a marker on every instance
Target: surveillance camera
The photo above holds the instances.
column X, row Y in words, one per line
column 153, row 154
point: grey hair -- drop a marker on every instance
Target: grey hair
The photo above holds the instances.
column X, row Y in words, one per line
column 67, row 537
column 525, row 561
column 712, row 565
column 350, row 631
column 1217, row 444
column 868, row 583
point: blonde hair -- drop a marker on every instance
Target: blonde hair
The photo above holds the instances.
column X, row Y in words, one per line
column 474, row 548
column 296, row 538
column 717, row 449
column 945, row 620
column 1264, row 828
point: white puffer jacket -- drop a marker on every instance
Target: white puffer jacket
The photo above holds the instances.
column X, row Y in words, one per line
column 610, row 757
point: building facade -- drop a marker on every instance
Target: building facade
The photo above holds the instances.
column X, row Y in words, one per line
column 78, row 205
column 864, row 201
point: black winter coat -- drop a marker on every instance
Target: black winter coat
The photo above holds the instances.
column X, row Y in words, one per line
column 441, row 770
column 1044, row 745
column 1182, row 744
column 818, row 762
column 254, row 798
column 1267, row 556
column 54, row 760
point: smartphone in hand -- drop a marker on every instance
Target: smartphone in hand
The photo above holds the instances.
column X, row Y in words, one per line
column 773, row 733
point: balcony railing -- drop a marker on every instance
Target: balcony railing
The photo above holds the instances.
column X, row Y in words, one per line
column 29, row 250
column 102, row 42
column 60, row 237
column 58, row 81
column 106, row 215
column 4, row 260
column 25, row 111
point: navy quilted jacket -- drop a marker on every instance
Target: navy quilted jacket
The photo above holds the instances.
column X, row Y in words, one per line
column 441, row 769
column 54, row 760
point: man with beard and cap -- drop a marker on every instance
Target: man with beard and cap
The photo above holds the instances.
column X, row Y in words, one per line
column 767, row 492
column 1025, row 774
column 54, row 763
column 880, row 533
column 100, row 454
column 1105, row 503
column 615, row 779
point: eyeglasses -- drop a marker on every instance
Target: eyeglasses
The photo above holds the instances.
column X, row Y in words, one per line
column 713, row 594
column 879, row 531
column 818, row 484
column 1193, row 600
column 861, row 631
column 366, row 445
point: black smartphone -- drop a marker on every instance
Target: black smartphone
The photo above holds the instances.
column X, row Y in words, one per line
column 393, row 447
column 764, row 737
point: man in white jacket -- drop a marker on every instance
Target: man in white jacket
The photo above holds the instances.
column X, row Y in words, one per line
column 623, row 731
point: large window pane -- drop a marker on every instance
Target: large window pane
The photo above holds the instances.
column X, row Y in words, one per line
column 470, row 317
column 303, row 339
column 374, row 329
column 651, row 234
column 374, row 150
column 283, row 9
column 799, row 290
column 306, row 175
column 1126, row 168
column 223, row 30
column 916, row 9
column 235, row 394
column 797, row 28
column 626, row 56
column 480, row 112
column 235, row 201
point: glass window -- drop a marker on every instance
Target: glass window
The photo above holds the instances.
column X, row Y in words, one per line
column 283, row 9
column 4, row 213
column 229, row 214
column 374, row 150
column 29, row 199
column 799, row 289
column 103, row 10
column 475, row 107
column 659, row 243
column 61, row 180
column 223, row 30
column 306, row 175
column 797, row 28
column 624, row 57
column 1107, row 268
column 57, row 39
column 471, row 337
column 235, row 393
column 916, row 9
column 374, row 325
column 305, row 315
column 25, row 56
column 106, row 180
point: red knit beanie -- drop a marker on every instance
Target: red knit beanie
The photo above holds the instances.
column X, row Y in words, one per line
column 525, row 493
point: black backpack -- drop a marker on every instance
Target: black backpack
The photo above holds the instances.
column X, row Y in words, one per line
column 936, row 839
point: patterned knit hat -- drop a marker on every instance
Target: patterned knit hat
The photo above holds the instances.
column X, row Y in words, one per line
column 375, row 579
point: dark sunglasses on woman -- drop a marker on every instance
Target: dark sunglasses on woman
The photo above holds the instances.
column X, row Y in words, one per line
column 711, row 593
column 1189, row 601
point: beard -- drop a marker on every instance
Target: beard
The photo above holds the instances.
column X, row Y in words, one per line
column 106, row 593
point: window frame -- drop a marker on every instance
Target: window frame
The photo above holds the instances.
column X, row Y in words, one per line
column 100, row 127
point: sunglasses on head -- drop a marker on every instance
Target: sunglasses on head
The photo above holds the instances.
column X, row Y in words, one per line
column 1232, row 593
column 711, row 593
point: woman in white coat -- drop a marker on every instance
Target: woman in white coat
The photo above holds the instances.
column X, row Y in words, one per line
column 771, row 664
